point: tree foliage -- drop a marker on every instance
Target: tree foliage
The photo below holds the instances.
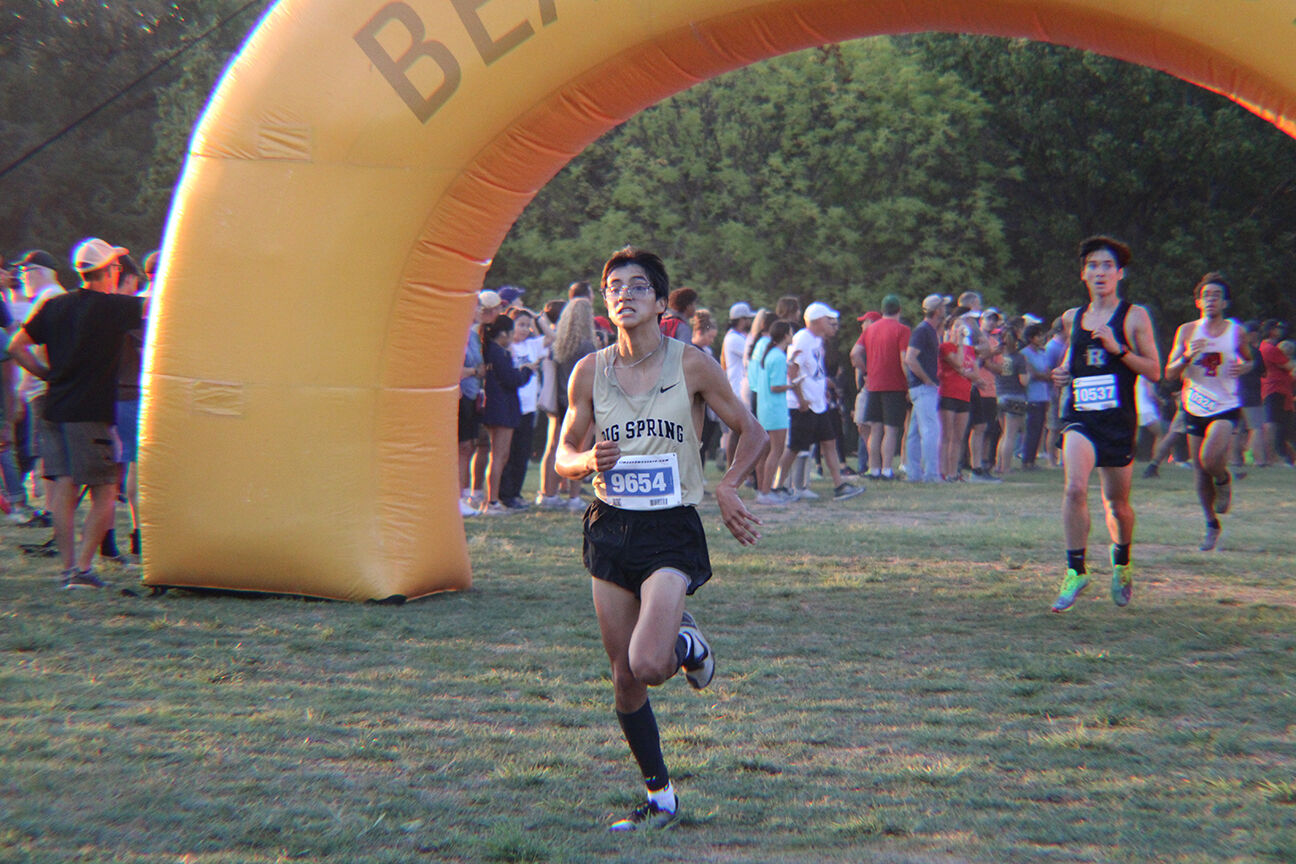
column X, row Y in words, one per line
column 931, row 163
column 112, row 173
column 840, row 174
column 907, row 165
column 1192, row 181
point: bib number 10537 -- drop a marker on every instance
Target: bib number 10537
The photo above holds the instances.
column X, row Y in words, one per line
column 648, row 482
column 1095, row 393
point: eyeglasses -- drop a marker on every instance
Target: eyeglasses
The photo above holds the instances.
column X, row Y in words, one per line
column 635, row 290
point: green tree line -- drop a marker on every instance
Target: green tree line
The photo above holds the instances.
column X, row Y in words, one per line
column 918, row 164
column 924, row 164
column 139, row 74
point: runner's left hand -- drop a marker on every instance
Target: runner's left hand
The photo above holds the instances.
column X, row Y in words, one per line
column 740, row 521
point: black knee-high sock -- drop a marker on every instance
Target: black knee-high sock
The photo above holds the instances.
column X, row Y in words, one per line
column 108, row 546
column 640, row 728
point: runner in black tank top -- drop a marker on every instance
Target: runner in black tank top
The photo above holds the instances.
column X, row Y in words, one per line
column 1105, row 355
column 1099, row 379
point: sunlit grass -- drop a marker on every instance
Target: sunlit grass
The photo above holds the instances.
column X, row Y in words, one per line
column 891, row 688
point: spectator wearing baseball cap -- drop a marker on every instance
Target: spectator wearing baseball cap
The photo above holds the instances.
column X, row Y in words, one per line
column 739, row 311
column 810, row 422
column 82, row 332
column 38, row 258
column 734, row 359
column 94, row 254
column 37, row 282
column 510, row 295
column 922, row 356
column 491, row 305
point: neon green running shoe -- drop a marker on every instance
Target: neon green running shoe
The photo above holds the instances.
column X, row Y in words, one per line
column 1072, row 585
column 1122, row 581
column 646, row 815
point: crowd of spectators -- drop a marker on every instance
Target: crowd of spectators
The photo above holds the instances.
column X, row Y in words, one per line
column 71, row 391
column 949, row 392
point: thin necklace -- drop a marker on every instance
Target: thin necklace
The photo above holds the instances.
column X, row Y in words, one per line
column 660, row 341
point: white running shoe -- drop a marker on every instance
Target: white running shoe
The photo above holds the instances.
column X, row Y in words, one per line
column 700, row 673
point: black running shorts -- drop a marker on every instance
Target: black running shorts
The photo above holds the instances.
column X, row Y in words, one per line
column 1197, row 426
column 806, row 429
column 625, row 547
column 1109, row 451
column 887, row 407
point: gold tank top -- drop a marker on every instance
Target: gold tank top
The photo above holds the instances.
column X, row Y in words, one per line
column 659, row 421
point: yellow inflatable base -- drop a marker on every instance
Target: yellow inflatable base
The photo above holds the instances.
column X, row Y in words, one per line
column 347, row 187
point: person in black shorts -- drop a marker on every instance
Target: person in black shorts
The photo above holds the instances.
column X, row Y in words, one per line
column 1210, row 354
column 1110, row 344
column 83, row 332
column 644, row 545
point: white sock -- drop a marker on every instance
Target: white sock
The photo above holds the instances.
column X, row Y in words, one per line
column 664, row 798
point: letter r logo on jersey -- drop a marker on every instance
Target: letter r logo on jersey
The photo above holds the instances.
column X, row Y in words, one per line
column 1096, row 356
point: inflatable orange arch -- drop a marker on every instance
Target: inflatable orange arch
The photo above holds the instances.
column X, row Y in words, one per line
column 356, row 170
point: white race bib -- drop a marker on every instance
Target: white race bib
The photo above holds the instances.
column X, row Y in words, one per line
column 1095, row 393
column 1200, row 403
column 649, row 482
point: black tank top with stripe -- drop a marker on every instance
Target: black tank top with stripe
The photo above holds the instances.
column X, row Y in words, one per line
column 1092, row 368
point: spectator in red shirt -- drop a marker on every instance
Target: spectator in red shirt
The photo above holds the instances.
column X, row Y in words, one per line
column 957, row 372
column 885, row 342
column 1276, row 392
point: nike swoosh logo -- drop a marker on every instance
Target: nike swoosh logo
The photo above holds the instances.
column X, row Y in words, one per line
column 664, row 389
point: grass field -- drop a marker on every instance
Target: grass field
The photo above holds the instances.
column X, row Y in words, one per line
column 891, row 688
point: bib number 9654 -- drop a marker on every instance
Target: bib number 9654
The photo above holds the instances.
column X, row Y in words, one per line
column 649, row 482
column 637, row 482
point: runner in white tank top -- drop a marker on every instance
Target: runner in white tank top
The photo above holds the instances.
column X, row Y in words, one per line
column 1210, row 354
column 643, row 541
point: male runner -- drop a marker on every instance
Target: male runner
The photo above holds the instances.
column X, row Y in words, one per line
column 1110, row 344
column 644, row 544
column 1210, row 354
